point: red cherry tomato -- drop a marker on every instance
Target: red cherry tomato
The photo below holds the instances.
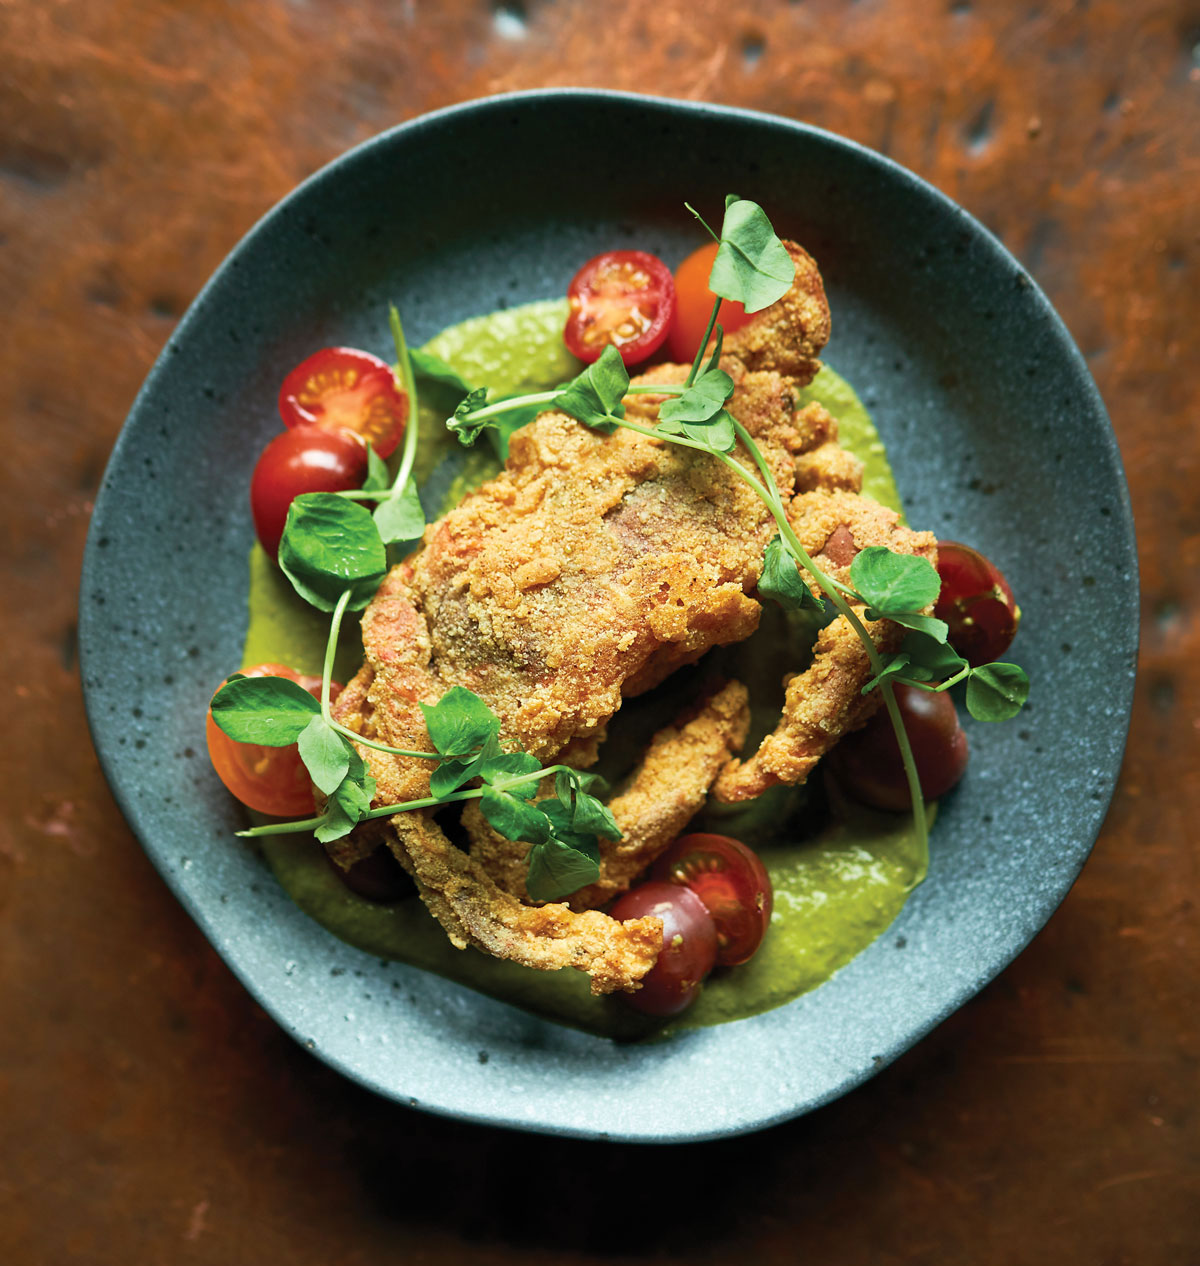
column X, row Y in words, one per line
column 867, row 763
column 341, row 389
column 733, row 884
column 689, row 946
column 270, row 779
column 626, row 298
column 976, row 602
column 305, row 459
column 693, row 304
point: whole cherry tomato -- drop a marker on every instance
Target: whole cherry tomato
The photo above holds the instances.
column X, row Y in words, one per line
column 693, row 304
column 304, row 459
column 733, row 884
column 626, row 298
column 867, row 763
column 270, row 779
column 689, row 946
column 976, row 602
column 342, row 389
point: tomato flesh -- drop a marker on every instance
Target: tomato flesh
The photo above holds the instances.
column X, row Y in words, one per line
column 625, row 299
column 304, row 459
column 342, row 389
column 733, row 884
column 976, row 602
column 693, row 304
column 270, row 779
column 689, row 946
column 867, row 763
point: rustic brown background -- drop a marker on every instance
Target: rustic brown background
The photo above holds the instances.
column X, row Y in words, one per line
column 149, row 1111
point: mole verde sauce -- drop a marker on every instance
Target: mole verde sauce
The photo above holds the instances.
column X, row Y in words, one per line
column 841, row 873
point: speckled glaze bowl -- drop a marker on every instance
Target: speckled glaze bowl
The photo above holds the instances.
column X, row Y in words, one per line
column 997, row 435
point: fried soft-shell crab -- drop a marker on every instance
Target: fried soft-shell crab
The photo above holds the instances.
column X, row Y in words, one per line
column 586, row 572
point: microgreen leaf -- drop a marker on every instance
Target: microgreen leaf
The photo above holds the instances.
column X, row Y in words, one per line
column 513, row 817
column 326, row 755
column 929, row 625
column 996, row 692
column 329, row 545
column 272, row 711
column 350, row 801
column 716, row 432
column 498, row 770
column 752, row 266
column 468, row 429
column 335, row 823
column 892, row 583
column 564, row 832
column 432, row 368
column 460, row 723
column 938, row 659
column 894, row 667
column 400, row 517
column 592, row 817
column 781, row 580
column 702, row 401
column 451, row 774
column 594, row 397
column 378, row 479
column 556, row 870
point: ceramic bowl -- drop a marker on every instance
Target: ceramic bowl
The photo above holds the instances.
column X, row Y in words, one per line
column 997, row 435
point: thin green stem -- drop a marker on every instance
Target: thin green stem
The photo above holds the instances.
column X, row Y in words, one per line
column 517, row 402
column 335, row 625
column 354, row 737
column 712, row 320
column 702, row 220
column 404, row 365
column 920, row 820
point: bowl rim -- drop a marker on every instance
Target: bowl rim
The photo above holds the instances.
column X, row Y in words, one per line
column 1122, row 524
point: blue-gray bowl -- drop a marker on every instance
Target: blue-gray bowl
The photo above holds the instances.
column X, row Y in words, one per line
column 997, row 435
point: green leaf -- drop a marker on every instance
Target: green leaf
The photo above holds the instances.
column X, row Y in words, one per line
column 931, row 627
column 513, row 817
column 378, row 479
column 893, row 668
column 781, row 580
column 326, row 755
column 752, row 266
column 996, row 692
column 595, row 396
column 894, row 584
column 335, row 823
column 430, row 368
column 460, row 723
column 938, row 659
column 452, row 774
column 561, row 829
column 556, row 870
column 330, row 545
column 468, row 429
column 400, row 517
column 592, row 817
column 497, row 770
column 273, row 711
column 357, row 789
column 702, row 401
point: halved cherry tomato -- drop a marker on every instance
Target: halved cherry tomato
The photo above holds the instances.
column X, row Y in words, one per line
column 270, row 779
column 867, row 763
column 342, row 389
column 626, row 298
column 689, row 946
column 976, row 602
column 693, row 304
column 733, row 884
column 304, row 459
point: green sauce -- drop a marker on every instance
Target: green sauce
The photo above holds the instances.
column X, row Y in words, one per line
column 836, row 889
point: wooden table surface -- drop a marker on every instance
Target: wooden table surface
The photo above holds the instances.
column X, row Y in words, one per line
column 149, row 1111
